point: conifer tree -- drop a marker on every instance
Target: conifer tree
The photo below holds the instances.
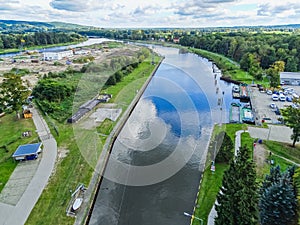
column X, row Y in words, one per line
column 278, row 199
column 237, row 200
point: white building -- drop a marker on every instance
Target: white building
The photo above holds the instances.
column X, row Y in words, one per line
column 290, row 78
column 48, row 56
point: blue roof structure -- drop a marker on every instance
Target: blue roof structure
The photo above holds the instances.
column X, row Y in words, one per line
column 29, row 149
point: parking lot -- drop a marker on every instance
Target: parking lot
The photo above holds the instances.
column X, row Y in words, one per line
column 261, row 105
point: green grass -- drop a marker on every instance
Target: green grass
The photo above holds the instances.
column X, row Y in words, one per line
column 210, row 186
column 211, row 182
column 284, row 150
column 11, row 131
column 74, row 169
column 247, row 140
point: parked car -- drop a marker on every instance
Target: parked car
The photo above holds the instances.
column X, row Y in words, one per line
column 275, row 97
column 295, row 95
column 273, row 105
column 281, row 98
column 269, row 92
column 289, row 99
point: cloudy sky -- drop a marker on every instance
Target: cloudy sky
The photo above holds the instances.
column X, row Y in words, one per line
column 154, row 13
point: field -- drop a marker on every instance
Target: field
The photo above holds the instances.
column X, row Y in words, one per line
column 11, row 131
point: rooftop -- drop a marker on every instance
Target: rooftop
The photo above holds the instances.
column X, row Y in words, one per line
column 290, row 75
column 28, row 149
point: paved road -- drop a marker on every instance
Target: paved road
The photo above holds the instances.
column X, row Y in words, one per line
column 18, row 214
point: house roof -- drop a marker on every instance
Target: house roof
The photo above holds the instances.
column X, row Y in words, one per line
column 289, row 75
column 28, row 149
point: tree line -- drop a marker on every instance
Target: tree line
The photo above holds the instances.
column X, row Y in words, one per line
column 252, row 51
column 14, row 41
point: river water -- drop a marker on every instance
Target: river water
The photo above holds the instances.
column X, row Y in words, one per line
column 88, row 42
column 153, row 173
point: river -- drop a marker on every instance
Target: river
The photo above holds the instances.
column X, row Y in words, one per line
column 88, row 42
column 154, row 169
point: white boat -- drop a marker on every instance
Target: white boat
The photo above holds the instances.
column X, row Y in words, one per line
column 77, row 203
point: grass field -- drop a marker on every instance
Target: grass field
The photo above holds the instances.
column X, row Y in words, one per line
column 210, row 186
column 11, row 131
column 73, row 169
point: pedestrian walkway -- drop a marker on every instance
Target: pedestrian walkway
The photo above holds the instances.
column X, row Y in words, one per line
column 17, row 213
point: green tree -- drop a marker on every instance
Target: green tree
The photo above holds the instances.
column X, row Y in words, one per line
column 278, row 202
column 226, row 150
column 291, row 117
column 274, row 71
column 13, row 93
column 237, row 200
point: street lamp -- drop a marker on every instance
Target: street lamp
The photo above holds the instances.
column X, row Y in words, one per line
column 193, row 217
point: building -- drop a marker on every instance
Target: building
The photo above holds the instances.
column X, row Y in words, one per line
column 27, row 152
column 176, row 40
column 290, row 78
column 57, row 55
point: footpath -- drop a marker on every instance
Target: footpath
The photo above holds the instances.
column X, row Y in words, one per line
column 16, row 212
column 274, row 133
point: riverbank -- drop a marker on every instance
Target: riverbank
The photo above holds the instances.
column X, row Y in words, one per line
column 39, row 47
column 71, row 167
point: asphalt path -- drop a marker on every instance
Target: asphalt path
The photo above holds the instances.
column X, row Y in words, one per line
column 18, row 214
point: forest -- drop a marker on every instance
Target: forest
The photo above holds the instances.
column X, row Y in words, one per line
column 15, row 41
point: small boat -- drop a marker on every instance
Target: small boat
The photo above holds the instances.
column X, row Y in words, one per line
column 235, row 91
column 235, row 88
column 77, row 203
column 244, row 92
column 234, row 113
column 247, row 115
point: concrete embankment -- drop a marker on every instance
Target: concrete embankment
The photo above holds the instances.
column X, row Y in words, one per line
column 84, row 215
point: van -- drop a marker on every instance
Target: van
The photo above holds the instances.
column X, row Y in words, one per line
column 282, row 98
column 275, row 97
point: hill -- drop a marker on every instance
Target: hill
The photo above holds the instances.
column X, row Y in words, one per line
column 18, row 26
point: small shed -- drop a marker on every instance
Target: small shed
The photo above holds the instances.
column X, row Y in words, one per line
column 27, row 152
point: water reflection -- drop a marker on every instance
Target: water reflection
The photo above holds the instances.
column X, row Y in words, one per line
column 154, row 169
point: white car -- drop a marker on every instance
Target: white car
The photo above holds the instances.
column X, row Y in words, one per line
column 269, row 92
column 282, row 98
column 275, row 97
column 294, row 95
column 273, row 106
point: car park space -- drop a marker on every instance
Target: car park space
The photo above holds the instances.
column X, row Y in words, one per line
column 267, row 106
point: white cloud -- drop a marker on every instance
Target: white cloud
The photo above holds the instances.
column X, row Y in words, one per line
column 155, row 13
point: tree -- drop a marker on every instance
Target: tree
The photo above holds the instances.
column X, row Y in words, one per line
column 278, row 201
column 273, row 72
column 13, row 93
column 237, row 200
column 291, row 117
column 226, row 152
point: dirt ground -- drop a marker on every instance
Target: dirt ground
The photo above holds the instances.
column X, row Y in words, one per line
column 39, row 67
column 260, row 155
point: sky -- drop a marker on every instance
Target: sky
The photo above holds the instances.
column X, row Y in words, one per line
column 154, row 13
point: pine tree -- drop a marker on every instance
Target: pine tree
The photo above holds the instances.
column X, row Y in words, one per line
column 237, row 200
column 278, row 199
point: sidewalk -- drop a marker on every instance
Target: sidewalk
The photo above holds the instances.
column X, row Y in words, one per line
column 17, row 214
